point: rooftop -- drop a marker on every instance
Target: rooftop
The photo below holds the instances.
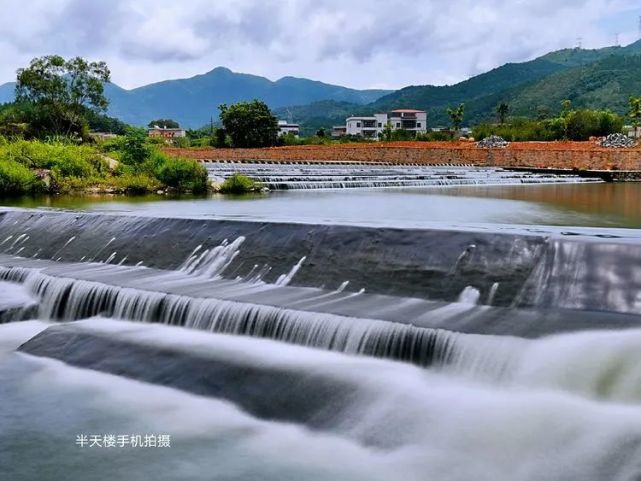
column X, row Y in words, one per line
column 155, row 127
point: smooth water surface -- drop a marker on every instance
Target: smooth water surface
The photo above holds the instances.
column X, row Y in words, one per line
column 587, row 205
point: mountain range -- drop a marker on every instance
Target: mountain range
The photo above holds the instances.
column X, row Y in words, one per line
column 194, row 101
column 599, row 78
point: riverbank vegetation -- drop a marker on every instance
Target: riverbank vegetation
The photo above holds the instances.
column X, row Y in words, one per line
column 576, row 125
column 117, row 166
column 240, row 184
column 46, row 145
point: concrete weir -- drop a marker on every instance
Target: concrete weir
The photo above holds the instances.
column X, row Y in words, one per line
column 291, row 281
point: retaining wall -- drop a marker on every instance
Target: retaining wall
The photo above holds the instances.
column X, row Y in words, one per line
column 558, row 155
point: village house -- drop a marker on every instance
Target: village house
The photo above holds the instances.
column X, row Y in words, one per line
column 166, row 133
column 285, row 128
column 372, row 126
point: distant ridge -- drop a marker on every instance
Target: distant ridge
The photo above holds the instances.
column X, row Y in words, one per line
column 599, row 78
column 193, row 101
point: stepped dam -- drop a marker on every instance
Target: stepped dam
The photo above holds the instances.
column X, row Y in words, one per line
column 283, row 350
column 307, row 176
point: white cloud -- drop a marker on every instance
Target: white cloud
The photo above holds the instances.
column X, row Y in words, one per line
column 360, row 43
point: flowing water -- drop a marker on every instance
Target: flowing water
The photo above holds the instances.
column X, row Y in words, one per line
column 316, row 350
column 351, row 176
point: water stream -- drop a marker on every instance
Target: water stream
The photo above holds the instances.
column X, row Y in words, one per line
column 272, row 351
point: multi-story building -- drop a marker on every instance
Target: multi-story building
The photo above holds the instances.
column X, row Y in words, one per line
column 372, row 126
column 339, row 130
column 285, row 128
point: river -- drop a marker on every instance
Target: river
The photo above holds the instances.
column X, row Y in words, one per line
column 452, row 333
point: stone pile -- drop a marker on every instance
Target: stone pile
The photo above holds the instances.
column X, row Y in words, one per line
column 617, row 141
column 492, row 142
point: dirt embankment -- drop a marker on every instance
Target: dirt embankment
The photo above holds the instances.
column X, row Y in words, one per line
column 557, row 155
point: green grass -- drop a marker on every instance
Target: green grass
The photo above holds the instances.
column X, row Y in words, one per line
column 141, row 167
column 16, row 179
column 239, row 184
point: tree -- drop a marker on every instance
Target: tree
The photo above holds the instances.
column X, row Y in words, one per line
column 634, row 111
column 164, row 124
column 502, row 110
column 320, row 132
column 135, row 148
column 249, row 124
column 62, row 91
column 387, row 133
column 456, row 116
column 220, row 138
column 566, row 107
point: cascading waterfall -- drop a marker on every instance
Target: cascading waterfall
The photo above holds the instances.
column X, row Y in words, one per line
column 444, row 369
column 306, row 177
column 69, row 299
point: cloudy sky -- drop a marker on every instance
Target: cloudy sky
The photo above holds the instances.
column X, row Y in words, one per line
column 357, row 43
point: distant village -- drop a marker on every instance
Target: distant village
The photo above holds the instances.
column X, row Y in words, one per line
column 369, row 127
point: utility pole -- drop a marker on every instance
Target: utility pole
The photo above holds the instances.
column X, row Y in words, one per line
column 616, row 40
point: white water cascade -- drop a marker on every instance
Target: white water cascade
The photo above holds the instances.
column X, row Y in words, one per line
column 516, row 358
column 346, row 176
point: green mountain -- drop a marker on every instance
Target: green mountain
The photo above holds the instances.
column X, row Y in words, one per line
column 6, row 92
column 324, row 113
column 194, row 101
column 601, row 78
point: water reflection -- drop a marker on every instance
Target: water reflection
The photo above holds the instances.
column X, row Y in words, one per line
column 591, row 205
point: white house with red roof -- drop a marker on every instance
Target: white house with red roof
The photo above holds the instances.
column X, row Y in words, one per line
column 372, row 126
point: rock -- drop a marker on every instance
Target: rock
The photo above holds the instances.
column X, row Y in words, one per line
column 492, row 142
column 111, row 162
column 617, row 141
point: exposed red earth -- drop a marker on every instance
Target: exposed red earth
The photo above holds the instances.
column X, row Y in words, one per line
column 556, row 155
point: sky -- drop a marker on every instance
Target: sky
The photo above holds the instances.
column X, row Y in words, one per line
column 355, row 43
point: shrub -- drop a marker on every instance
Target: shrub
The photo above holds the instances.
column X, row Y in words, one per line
column 434, row 136
column 181, row 174
column 137, row 183
column 202, row 142
column 135, row 149
column 181, row 142
column 15, row 178
column 239, row 184
column 221, row 139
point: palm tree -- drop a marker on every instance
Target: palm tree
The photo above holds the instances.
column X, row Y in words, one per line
column 456, row 115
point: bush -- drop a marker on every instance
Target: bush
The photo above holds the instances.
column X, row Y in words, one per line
column 221, row 139
column 441, row 136
column 15, row 178
column 202, row 142
column 181, row 174
column 239, row 184
column 137, row 183
column 181, row 142
column 573, row 125
column 135, row 148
